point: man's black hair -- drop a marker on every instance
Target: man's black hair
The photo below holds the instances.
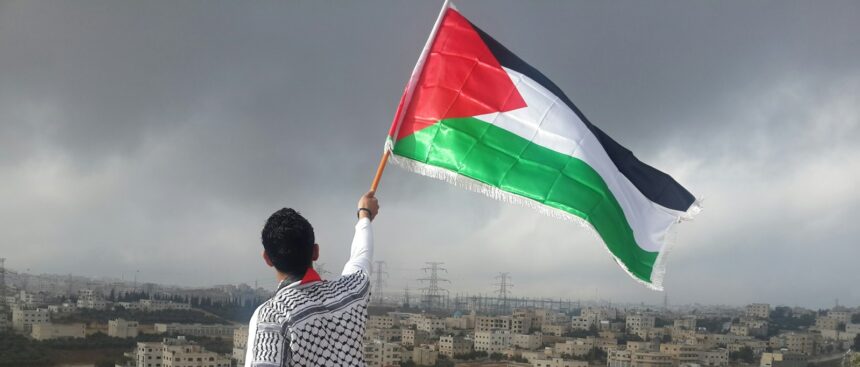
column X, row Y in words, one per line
column 289, row 241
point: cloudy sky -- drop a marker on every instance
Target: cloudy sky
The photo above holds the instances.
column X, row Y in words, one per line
column 158, row 136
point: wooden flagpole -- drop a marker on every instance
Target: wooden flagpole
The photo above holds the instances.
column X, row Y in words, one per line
column 379, row 170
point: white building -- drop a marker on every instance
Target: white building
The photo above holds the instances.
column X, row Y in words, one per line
column 212, row 331
column 494, row 341
column 62, row 309
column 639, row 324
column 47, row 331
column 24, row 317
column 411, row 337
column 149, row 354
column 240, row 343
column 381, row 322
column 555, row 329
column 527, row 341
column 650, row 359
column 557, row 362
column 618, row 358
column 780, row 359
column 760, row 310
column 521, row 323
column 451, row 346
column 487, row 323
column 177, row 352
column 716, row 357
column 87, row 298
column 430, row 324
column 424, row 356
column 800, row 343
column 383, row 334
column 685, row 323
column 683, row 354
column 381, row 354
column 121, row 328
column 575, row 347
column 843, row 317
column 150, row 305
column 459, row 323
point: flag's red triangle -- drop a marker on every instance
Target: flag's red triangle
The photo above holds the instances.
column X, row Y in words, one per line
column 460, row 78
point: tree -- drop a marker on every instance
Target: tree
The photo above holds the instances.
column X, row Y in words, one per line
column 857, row 342
column 745, row 354
column 496, row 356
column 519, row 359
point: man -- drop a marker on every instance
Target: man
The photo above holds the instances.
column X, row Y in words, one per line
column 310, row 322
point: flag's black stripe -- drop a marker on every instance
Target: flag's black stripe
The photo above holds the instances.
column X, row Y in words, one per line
column 654, row 184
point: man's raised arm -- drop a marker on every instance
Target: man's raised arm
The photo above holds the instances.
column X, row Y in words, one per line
column 361, row 253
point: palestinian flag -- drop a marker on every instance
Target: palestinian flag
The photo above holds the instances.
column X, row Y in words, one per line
column 476, row 115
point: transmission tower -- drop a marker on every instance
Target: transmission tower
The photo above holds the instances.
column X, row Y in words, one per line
column 433, row 293
column 504, row 285
column 70, row 285
column 380, row 274
column 2, row 287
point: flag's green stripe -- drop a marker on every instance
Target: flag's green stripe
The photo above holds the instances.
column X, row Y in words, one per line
column 501, row 159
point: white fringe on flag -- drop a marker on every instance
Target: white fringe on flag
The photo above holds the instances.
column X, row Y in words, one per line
column 659, row 269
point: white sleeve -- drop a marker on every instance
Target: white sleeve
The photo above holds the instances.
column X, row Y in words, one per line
column 361, row 253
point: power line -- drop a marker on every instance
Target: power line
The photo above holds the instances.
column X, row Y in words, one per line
column 380, row 273
column 2, row 287
column 504, row 285
column 433, row 293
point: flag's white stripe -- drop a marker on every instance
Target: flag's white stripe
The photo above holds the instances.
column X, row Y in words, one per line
column 549, row 122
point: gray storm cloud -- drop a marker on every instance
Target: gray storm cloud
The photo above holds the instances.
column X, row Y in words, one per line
column 159, row 136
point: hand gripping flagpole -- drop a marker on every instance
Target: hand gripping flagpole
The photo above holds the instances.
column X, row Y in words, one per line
column 407, row 97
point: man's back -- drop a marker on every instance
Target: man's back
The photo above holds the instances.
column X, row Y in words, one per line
column 316, row 323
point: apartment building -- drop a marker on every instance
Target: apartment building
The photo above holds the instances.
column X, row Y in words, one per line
column 47, row 331
column 487, row 323
column 240, row 345
column 177, row 352
column 639, row 324
column 527, row 341
column 494, row 341
column 212, row 331
column 120, row 328
column 760, row 310
column 451, row 346
column 411, row 337
column 381, row 322
column 378, row 353
column 24, row 317
column 557, row 362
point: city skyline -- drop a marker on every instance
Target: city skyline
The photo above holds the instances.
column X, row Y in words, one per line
column 585, row 297
column 157, row 137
